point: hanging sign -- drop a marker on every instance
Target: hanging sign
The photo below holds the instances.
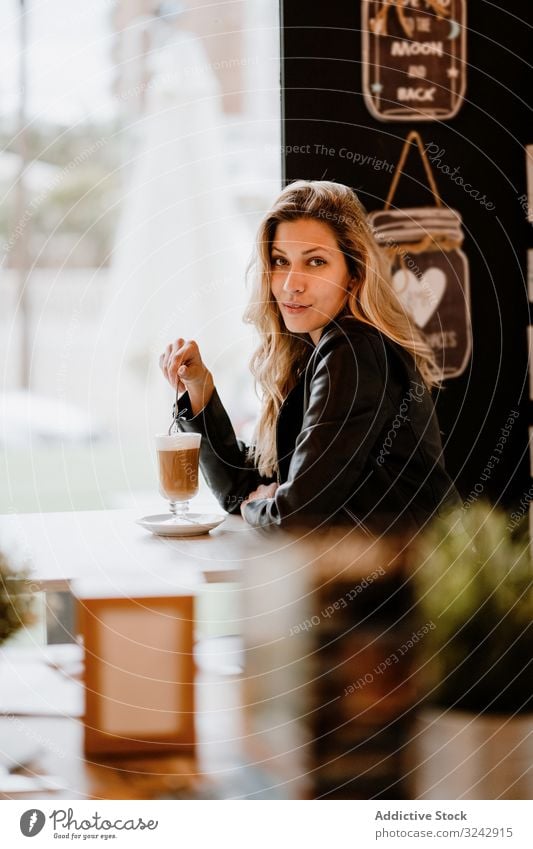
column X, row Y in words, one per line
column 429, row 270
column 414, row 58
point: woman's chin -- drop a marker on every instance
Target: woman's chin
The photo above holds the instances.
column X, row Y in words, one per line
column 297, row 327
column 295, row 324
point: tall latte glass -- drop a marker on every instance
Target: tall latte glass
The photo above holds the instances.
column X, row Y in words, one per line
column 178, row 456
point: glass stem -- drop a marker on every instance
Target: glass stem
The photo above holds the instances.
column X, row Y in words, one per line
column 179, row 508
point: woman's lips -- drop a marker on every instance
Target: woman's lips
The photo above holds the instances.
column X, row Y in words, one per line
column 295, row 309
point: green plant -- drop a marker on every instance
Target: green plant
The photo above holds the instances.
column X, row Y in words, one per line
column 474, row 580
column 16, row 600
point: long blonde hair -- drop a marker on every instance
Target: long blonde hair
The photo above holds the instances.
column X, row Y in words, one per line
column 281, row 355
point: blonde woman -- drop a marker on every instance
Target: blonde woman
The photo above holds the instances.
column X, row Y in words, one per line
column 347, row 431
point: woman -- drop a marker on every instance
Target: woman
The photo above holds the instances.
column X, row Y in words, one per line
column 347, row 431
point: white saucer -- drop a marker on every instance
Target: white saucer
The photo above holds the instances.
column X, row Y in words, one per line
column 166, row 525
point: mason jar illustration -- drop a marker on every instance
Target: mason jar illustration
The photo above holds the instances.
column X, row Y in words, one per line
column 430, row 276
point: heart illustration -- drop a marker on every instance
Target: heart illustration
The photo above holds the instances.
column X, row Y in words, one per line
column 420, row 296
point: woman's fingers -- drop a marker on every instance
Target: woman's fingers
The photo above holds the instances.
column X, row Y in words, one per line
column 263, row 491
column 178, row 359
column 166, row 357
column 175, row 360
column 185, row 362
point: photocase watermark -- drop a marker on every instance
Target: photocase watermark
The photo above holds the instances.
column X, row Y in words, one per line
column 517, row 515
column 526, row 207
column 400, row 418
column 39, row 199
column 65, row 825
column 187, row 71
column 338, row 218
column 391, row 660
column 407, row 261
column 31, row 734
column 435, row 155
column 32, row 822
column 492, row 462
column 190, row 471
column 335, row 606
column 64, row 819
column 387, row 245
column 356, row 157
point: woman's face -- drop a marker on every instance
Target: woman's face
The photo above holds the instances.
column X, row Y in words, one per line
column 310, row 277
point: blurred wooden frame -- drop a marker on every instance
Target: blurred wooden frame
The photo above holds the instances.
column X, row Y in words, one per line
column 139, row 674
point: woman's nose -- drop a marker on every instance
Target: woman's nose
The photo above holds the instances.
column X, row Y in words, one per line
column 293, row 282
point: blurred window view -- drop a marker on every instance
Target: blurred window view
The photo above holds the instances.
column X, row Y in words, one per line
column 140, row 148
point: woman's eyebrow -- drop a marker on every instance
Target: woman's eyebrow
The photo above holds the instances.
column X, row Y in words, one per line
column 308, row 251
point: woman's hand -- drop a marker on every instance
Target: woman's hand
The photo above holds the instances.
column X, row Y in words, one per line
column 263, row 491
column 182, row 365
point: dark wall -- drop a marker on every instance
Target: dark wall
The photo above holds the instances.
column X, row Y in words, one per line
column 323, row 106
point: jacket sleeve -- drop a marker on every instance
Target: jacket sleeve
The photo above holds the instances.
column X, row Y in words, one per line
column 224, row 459
column 347, row 409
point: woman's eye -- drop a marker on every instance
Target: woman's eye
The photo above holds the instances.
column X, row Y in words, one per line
column 315, row 261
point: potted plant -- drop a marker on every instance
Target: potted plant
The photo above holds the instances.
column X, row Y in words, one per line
column 16, row 600
column 474, row 581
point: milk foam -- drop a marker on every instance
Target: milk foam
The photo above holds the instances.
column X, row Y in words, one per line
column 177, row 442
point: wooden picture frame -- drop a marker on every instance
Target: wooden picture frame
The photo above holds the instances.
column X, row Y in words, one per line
column 139, row 673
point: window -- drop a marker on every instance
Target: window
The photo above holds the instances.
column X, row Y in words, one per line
column 140, row 147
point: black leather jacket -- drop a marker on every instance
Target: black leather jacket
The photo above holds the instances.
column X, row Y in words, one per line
column 357, row 438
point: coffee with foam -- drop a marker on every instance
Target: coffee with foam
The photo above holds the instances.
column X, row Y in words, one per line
column 178, row 457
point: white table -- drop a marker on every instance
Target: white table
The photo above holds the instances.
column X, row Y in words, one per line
column 106, row 544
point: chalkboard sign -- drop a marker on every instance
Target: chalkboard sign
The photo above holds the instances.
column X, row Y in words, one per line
column 414, row 58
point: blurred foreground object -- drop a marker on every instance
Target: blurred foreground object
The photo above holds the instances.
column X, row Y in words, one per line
column 474, row 578
column 139, row 670
column 330, row 692
column 16, row 599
